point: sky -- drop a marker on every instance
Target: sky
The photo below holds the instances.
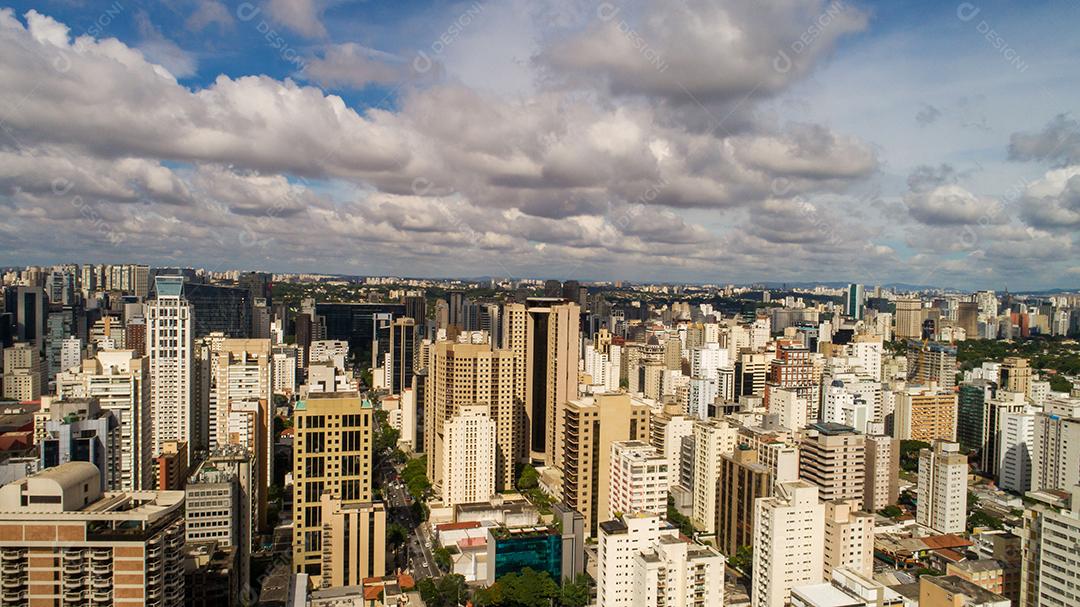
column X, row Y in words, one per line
column 929, row 143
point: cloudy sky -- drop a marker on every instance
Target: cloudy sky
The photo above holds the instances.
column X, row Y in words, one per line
column 695, row 140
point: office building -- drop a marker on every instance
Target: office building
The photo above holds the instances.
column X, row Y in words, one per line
column 546, row 336
column 789, row 543
column 332, row 480
column 30, row 306
column 366, row 326
column 833, row 457
column 909, row 319
column 639, row 478
column 854, row 300
column 170, row 343
column 219, row 505
column 66, row 542
column 468, row 462
column 593, row 424
column 402, row 352
column 1015, row 375
column 942, row 501
column 972, row 426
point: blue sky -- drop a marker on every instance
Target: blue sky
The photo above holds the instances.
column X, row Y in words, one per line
column 911, row 142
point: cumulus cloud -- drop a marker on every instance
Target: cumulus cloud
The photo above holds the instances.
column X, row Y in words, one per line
column 566, row 176
column 1053, row 202
column 935, row 198
column 1059, row 141
column 700, row 51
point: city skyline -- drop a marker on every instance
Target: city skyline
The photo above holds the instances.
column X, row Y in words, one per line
column 648, row 142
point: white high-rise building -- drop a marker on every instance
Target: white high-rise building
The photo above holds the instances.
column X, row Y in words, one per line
column 70, row 353
column 789, row 542
column 619, row 541
column 284, row 366
column 469, row 456
column 640, row 477
column 1014, row 451
column 676, row 572
column 942, row 502
column 712, row 439
column 120, row 381
column 667, row 430
column 1056, row 445
column 1051, row 543
column 169, row 346
column 790, row 407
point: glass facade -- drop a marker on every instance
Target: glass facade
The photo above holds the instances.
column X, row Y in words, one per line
column 537, row 549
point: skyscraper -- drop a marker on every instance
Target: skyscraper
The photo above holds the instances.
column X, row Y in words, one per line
column 463, row 375
column 909, row 319
column 170, row 340
column 332, row 491
column 854, row 300
column 833, row 457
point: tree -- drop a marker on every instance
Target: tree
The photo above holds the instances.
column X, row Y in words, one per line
column 396, row 534
column 446, row 591
column 575, row 593
column 891, row 511
column 529, row 478
column 678, row 519
column 527, row 588
column 909, row 454
column 743, row 560
column 442, row 558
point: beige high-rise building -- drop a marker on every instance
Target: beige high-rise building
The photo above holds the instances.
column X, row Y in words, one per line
column 1015, row 375
column 22, row 372
column 849, row 538
column 65, row 542
column 789, row 543
column 713, row 439
column 244, row 402
column 468, row 461
column 882, row 486
column 462, row 375
column 926, row 414
column 743, row 479
column 332, row 452
column 666, row 430
column 550, row 350
column 909, row 318
column 833, row 457
column 592, row 424
column 353, row 541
